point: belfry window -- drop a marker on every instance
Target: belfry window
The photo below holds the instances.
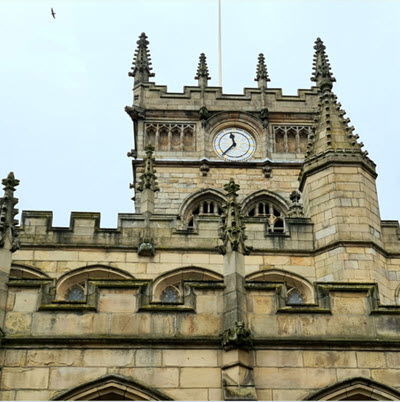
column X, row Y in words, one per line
column 274, row 217
column 207, row 207
column 291, row 139
column 171, row 136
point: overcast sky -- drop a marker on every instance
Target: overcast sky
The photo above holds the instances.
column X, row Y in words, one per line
column 64, row 83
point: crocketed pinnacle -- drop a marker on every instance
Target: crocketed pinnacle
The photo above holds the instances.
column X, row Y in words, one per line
column 148, row 179
column 202, row 71
column 8, row 212
column 261, row 73
column 232, row 229
column 333, row 131
column 141, row 66
column 321, row 68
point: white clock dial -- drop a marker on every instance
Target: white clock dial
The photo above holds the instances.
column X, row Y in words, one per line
column 234, row 144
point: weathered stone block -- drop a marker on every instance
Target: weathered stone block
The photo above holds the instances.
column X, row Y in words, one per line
column 200, row 377
column 189, row 394
column 371, row 359
column 119, row 301
column 156, row 377
column 190, row 358
column 62, row 378
column 294, row 377
column 108, row 357
column 55, row 357
column 18, row 323
column 25, row 378
column 26, row 300
column 148, row 357
column 279, row 358
column 15, row 357
column 337, row 358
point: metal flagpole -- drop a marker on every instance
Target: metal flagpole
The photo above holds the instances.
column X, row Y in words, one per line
column 219, row 46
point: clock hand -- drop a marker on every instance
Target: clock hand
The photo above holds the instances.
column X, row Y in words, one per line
column 228, row 149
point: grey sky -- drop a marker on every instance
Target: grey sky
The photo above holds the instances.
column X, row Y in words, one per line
column 64, row 83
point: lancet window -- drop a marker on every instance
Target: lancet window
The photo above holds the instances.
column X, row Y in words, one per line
column 171, row 136
column 291, row 139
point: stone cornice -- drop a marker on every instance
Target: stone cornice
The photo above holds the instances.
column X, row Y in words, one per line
column 29, row 342
column 335, row 158
column 223, row 163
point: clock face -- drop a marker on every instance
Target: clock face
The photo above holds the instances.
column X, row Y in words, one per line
column 234, row 144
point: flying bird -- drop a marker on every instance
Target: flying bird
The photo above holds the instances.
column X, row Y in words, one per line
column 53, row 13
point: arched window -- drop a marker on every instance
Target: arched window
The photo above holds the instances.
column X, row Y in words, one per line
column 76, row 292
column 264, row 208
column 112, row 387
column 294, row 296
column 204, row 203
column 188, row 139
column 168, row 287
column 356, row 389
column 298, row 289
column 176, row 138
column 171, row 294
column 151, row 135
column 206, row 207
column 163, row 141
column 71, row 286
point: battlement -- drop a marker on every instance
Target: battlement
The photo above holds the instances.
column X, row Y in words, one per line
column 253, row 99
column 85, row 230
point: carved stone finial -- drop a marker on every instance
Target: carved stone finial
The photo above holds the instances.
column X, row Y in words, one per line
column 148, row 179
column 237, row 337
column 10, row 183
column 262, row 74
column 8, row 212
column 232, row 229
column 322, row 74
column 202, row 71
column 141, row 66
column 296, row 208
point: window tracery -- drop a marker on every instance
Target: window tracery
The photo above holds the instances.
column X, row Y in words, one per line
column 273, row 215
column 171, row 136
column 291, row 139
column 171, row 294
column 294, row 296
column 205, row 207
column 76, row 292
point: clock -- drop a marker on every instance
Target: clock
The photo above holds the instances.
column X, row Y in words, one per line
column 234, row 144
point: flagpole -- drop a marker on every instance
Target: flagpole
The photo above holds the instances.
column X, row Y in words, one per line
column 219, row 46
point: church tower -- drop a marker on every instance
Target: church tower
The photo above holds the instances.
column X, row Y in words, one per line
column 255, row 265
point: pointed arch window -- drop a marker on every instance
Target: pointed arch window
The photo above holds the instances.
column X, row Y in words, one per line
column 294, row 296
column 76, row 292
column 271, row 213
column 171, row 294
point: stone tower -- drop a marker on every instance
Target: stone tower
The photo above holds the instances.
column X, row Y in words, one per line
column 255, row 265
